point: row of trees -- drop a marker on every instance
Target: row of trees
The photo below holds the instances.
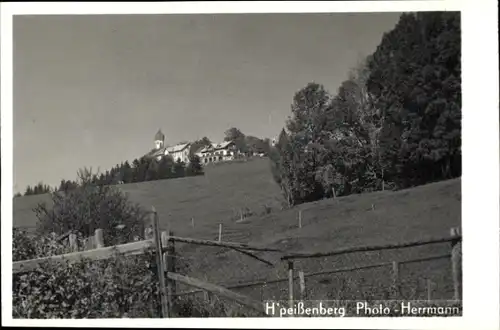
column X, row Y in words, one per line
column 142, row 169
column 396, row 120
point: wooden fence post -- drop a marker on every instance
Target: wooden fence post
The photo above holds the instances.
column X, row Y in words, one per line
column 290, row 284
column 302, row 281
column 395, row 280
column 220, row 232
column 300, row 218
column 456, row 261
column 429, row 290
column 73, row 244
column 169, row 262
column 99, row 238
column 159, row 264
column 383, row 181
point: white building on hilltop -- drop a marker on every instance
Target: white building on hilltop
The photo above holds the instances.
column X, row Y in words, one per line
column 179, row 152
column 218, row 152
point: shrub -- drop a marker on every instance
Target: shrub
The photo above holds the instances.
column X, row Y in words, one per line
column 122, row 286
column 116, row 287
column 89, row 289
column 89, row 207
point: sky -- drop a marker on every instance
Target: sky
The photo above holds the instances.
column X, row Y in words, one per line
column 92, row 91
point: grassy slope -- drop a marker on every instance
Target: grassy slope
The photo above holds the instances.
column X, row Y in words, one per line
column 424, row 211
column 216, row 196
column 420, row 212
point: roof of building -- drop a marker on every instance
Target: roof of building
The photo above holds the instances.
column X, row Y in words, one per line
column 223, row 145
column 217, row 146
column 207, row 148
column 156, row 152
column 159, row 136
column 199, row 150
column 178, row 148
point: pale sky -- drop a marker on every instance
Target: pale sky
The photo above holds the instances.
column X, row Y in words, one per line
column 93, row 90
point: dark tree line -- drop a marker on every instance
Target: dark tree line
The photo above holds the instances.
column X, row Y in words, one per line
column 394, row 123
column 142, row 169
column 38, row 189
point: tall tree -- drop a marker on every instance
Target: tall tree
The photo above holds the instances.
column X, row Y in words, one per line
column 235, row 135
column 194, row 166
column 197, row 145
column 415, row 76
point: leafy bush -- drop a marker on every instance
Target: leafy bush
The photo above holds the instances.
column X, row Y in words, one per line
column 116, row 287
column 89, row 207
column 29, row 246
column 123, row 286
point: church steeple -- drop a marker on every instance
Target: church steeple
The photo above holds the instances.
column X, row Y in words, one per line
column 159, row 139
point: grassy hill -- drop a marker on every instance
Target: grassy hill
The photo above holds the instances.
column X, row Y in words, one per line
column 217, row 197
column 425, row 211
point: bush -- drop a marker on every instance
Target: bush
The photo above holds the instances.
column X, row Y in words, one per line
column 89, row 207
column 123, row 286
column 116, row 287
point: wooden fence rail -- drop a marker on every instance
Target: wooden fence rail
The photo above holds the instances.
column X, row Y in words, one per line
column 372, row 248
column 262, row 282
column 213, row 288
column 240, row 246
column 133, row 248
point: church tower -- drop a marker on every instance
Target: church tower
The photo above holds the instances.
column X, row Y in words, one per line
column 159, row 139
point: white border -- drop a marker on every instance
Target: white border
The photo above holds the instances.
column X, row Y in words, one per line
column 480, row 157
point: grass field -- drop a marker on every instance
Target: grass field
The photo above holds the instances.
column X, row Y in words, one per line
column 218, row 196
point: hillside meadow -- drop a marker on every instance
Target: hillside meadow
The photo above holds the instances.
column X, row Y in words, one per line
column 219, row 195
column 375, row 218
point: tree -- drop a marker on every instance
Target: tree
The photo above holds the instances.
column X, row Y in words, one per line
column 194, row 166
column 89, row 207
column 256, row 145
column 165, row 167
column 281, row 167
column 415, row 76
column 197, row 145
column 299, row 149
column 309, row 107
column 127, row 172
column 152, row 171
column 39, row 188
column 235, row 135
column 178, row 169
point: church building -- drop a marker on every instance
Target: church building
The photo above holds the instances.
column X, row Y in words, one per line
column 179, row 152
